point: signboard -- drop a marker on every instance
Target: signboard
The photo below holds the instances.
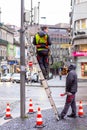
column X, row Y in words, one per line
column 80, row 53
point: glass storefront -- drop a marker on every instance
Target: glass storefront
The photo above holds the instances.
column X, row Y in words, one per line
column 84, row 68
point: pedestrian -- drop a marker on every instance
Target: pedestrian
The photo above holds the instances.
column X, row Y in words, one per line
column 60, row 73
column 26, row 76
column 70, row 91
column 42, row 42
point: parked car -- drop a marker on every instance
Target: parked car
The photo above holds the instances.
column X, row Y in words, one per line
column 34, row 77
column 15, row 78
column 6, row 77
column 50, row 76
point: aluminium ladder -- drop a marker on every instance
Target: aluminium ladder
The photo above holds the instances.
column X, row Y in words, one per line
column 43, row 80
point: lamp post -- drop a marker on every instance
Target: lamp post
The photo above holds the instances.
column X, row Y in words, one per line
column 22, row 64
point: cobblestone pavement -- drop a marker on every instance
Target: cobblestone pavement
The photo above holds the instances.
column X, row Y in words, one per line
column 49, row 122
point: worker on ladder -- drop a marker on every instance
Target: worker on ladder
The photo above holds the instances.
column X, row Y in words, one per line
column 42, row 42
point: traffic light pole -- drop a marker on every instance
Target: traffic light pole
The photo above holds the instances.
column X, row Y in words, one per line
column 22, row 64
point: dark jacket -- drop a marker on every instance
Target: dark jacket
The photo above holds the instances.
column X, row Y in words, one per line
column 71, row 80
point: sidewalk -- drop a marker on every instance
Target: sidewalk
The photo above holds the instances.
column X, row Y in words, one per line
column 56, row 82
column 49, row 122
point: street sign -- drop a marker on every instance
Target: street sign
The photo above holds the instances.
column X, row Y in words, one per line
column 30, row 63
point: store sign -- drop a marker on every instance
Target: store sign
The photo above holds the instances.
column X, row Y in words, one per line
column 79, row 53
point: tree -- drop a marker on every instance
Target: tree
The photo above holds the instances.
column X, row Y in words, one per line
column 56, row 66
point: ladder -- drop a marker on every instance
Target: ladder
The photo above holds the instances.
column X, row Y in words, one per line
column 43, row 80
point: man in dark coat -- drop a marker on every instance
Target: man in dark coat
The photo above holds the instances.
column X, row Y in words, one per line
column 70, row 91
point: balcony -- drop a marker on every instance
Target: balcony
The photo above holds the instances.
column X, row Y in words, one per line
column 3, row 42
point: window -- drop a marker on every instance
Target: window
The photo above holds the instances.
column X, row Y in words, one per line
column 83, row 47
column 77, row 1
column 0, row 34
column 77, row 24
column 80, row 1
column 84, row 69
column 81, row 24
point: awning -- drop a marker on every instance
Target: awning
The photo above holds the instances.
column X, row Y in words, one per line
column 12, row 62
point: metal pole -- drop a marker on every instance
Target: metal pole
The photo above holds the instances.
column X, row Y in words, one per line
column 31, row 13
column 22, row 64
column 0, row 15
column 38, row 12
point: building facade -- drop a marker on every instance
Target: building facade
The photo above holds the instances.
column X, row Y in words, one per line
column 6, row 47
column 10, row 45
column 61, row 46
column 79, row 36
column 15, row 61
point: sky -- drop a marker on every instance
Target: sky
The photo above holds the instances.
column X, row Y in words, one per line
column 54, row 11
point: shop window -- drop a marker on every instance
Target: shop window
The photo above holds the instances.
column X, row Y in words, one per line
column 83, row 47
column 76, row 48
column 84, row 69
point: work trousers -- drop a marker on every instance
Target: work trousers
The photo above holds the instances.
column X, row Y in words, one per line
column 70, row 101
column 43, row 60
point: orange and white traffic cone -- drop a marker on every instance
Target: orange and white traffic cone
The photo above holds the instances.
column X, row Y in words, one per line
column 39, row 122
column 8, row 113
column 80, row 112
column 31, row 110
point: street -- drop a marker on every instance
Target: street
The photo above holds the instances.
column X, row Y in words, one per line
column 10, row 93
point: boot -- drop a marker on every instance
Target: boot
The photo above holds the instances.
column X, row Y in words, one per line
column 71, row 115
column 47, row 73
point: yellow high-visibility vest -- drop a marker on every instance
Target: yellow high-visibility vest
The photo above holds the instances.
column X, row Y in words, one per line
column 41, row 40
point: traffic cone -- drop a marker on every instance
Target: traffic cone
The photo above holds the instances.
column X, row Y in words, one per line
column 31, row 110
column 8, row 113
column 80, row 112
column 39, row 122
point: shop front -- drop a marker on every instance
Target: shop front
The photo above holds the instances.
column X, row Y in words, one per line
column 81, row 63
column 12, row 65
column 84, row 69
